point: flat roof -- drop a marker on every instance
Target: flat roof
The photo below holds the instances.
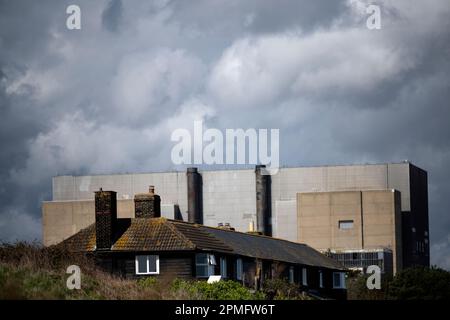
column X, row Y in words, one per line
column 201, row 169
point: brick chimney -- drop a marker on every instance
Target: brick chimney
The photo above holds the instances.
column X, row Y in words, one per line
column 147, row 205
column 105, row 218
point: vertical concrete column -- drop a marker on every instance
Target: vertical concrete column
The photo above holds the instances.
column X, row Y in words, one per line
column 361, row 200
column 194, row 196
column 263, row 202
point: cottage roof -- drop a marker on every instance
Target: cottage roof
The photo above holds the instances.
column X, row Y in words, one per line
column 161, row 234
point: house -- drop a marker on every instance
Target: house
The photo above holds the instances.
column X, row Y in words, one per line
column 150, row 245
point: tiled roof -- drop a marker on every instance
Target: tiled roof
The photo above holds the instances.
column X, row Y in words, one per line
column 84, row 240
column 150, row 234
column 161, row 234
column 258, row 246
column 146, row 234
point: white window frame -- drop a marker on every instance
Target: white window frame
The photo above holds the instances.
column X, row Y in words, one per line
column 291, row 275
column 320, row 279
column 304, row 276
column 136, row 264
column 239, row 269
column 342, row 280
column 210, row 263
column 223, row 267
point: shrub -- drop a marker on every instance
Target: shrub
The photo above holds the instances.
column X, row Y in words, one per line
column 280, row 289
column 420, row 283
column 357, row 287
column 222, row 290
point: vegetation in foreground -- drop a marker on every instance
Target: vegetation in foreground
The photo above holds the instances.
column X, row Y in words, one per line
column 30, row 271
column 417, row 283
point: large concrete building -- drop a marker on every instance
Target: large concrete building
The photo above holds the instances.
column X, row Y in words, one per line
column 359, row 228
column 359, row 214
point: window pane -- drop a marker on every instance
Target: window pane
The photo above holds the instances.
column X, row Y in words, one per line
column 346, row 224
column 202, row 271
column 336, row 280
column 223, row 267
column 239, row 269
column 201, row 258
column 291, row 274
column 152, row 263
column 142, row 264
column 304, row 277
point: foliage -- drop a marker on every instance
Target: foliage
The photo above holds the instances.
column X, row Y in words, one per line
column 357, row 287
column 280, row 289
column 420, row 283
column 409, row 284
column 30, row 271
column 222, row 290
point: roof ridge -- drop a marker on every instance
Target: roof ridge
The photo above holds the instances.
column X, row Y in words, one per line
column 203, row 169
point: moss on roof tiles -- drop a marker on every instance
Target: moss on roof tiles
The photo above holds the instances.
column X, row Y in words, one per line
column 156, row 234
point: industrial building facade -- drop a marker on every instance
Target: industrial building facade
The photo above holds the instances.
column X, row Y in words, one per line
column 355, row 213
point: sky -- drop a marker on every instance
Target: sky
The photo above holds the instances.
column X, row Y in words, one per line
column 106, row 98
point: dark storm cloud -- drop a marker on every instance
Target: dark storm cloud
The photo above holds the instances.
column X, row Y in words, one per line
column 259, row 16
column 112, row 15
column 338, row 92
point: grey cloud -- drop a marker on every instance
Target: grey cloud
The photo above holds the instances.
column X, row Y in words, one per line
column 138, row 70
column 112, row 16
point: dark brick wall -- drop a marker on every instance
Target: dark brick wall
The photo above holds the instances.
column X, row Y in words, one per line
column 105, row 218
column 148, row 206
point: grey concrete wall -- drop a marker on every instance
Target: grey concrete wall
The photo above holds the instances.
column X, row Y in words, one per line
column 229, row 195
column 398, row 179
column 171, row 186
column 284, row 222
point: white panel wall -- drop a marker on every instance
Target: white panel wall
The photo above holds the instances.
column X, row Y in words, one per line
column 229, row 196
column 171, row 186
